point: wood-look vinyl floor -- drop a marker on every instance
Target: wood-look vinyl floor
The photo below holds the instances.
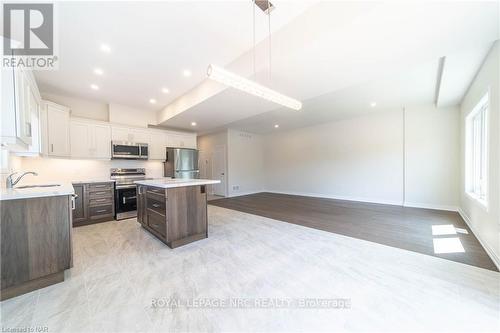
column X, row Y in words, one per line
column 396, row 226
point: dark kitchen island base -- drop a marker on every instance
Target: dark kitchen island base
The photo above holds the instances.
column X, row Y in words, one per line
column 177, row 216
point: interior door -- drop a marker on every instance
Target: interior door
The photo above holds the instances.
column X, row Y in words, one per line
column 219, row 170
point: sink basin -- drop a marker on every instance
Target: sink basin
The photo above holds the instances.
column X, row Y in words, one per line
column 35, row 186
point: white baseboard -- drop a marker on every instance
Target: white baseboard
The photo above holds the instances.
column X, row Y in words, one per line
column 431, row 206
column 487, row 248
column 336, row 197
column 239, row 194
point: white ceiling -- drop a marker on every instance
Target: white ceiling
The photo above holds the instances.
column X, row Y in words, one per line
column 151, row 44
column 336, row 56
column 356, row 52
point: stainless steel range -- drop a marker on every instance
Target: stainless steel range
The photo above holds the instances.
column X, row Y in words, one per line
column 125, row 191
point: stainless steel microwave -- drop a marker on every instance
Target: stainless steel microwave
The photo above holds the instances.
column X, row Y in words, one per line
column 129, row 150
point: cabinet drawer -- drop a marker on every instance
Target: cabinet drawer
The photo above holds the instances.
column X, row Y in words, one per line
column 100, row 211
column 158, row 206
column 157, row 191
column 100, row 193
column 100, row 201
column 157, row 222
column 100, row 186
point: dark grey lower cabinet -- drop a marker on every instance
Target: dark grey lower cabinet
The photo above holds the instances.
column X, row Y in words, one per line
column 35, row 243
column 80, row 213
column 95, row 203
column 176, row 216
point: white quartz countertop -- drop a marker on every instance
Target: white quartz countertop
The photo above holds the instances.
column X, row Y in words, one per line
column 170, row 183
column 64, row 188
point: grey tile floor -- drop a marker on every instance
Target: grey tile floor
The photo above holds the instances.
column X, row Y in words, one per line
column 121, row 272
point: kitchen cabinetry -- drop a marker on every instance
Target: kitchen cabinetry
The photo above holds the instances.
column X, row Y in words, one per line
column 157, row 145
column 36, row 243
column 58, row 130
column 90, row 140
column 177, row 216
column 20, row 111
column 95, row 203
column 128, row 134
column 141, row 204
column 179, row 140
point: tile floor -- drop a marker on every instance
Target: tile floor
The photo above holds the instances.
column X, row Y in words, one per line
column 120, row 270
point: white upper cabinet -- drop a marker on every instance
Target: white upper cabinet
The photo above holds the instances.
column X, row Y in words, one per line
column 58, row 129
column 90, row 140
column 121, row 134
column 20, row 108
column 128, row 134
column 102, row 141
column 181, row 140
column 157, row 145
column 80, row 139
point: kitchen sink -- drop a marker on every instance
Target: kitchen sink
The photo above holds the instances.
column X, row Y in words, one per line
column 35, row 186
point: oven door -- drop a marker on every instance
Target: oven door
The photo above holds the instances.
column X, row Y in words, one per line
column 126, row 151
column 126, row 202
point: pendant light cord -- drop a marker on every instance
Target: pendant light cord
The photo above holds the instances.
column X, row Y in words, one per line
column 254, row 70
column 269, row 28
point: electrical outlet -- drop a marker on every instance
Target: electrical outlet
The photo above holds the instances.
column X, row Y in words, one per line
column 236, row 187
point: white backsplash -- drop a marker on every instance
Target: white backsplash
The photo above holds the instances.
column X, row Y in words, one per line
column 58, row 169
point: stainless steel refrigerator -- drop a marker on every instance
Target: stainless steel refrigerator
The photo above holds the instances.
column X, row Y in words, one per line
column 181, row 163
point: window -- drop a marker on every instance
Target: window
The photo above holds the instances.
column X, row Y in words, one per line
column 477, row 152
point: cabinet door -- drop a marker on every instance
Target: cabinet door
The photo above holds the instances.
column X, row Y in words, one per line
column 101, row 144
column 23, row 116
column 121, row 134
column 80, row 211
column 141, row 204
column 157, row 146
column 140, row 136
column 58, row 131
column 80, row 140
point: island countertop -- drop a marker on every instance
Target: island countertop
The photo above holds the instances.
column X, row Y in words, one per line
column 175, row 182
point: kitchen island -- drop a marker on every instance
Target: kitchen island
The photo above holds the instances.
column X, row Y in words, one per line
column 174, row 210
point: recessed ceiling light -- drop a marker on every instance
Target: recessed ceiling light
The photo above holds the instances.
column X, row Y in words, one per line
column 105, row 48
column 152, row 101
column 193, row 123
column 373, row 104
column 186, row 73
column 276, row 126
column 94, row 86
column 165, row 90
column 98, row 71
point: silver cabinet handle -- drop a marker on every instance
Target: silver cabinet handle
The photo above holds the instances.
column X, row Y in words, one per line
column 100, row 186
column 51, row 147
column 101, row 211
column 100, row 200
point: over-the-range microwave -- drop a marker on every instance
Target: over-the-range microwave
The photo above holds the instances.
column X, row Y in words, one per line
column 129, row 150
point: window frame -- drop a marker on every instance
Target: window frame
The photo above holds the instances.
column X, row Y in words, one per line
column 477, row 141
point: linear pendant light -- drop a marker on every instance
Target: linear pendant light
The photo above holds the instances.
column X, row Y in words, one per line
column 236, row 81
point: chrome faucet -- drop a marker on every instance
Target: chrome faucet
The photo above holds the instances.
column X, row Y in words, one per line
column 10, row 182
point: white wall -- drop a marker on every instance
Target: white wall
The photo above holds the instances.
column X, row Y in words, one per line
column 485, row 222
column 245, row 160
column 58, row 169
column 126, row 115
column 83, row 108
column 363, row 159
column 432, row 157
column 354, row 159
